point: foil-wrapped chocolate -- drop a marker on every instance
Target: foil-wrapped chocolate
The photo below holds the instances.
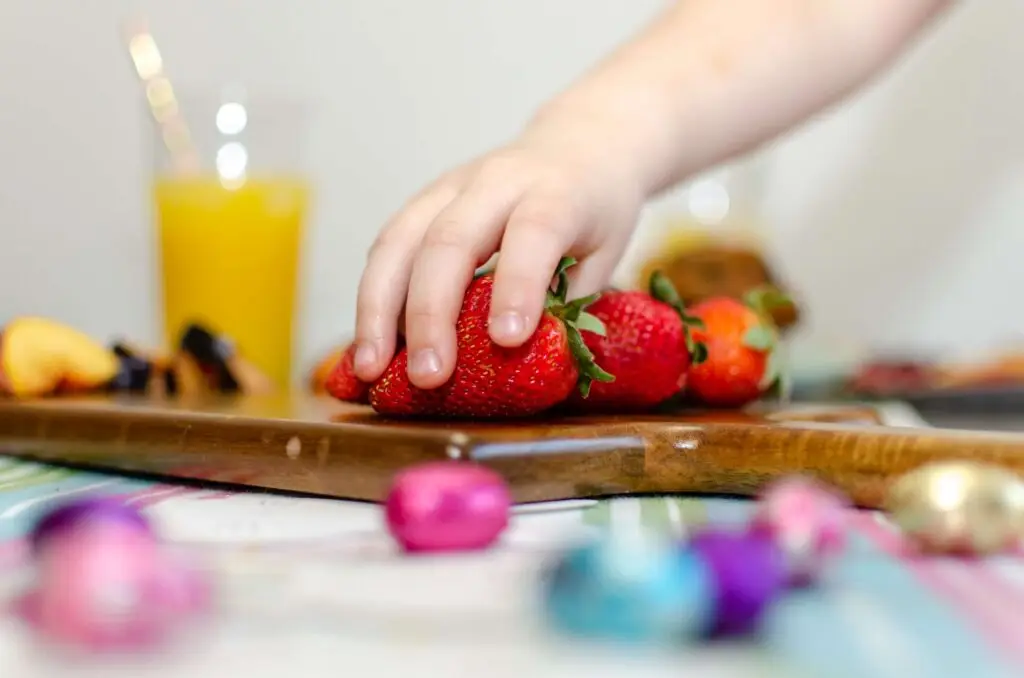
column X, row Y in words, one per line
column 959, row 507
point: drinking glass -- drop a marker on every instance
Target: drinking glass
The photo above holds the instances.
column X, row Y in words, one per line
column 230, row 206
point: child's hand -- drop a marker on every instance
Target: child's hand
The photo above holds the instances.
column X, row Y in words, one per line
column 553, row 192
column 708, row 80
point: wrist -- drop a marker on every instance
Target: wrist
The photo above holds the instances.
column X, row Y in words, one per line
column 616, row 130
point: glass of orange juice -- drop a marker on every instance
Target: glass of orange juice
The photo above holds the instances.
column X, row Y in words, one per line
column 230, row 204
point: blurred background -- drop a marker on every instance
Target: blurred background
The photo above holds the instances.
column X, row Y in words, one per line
column 895, row 219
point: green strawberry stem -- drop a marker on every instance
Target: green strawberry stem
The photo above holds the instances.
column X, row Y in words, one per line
column 575, row 318
column 664, row 291
column 777, row 380
column 763, row 300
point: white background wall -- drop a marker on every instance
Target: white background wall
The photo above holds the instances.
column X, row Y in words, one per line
column 899, row 218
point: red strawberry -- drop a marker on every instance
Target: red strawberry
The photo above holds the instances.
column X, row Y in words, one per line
column 742, row 361
column 492, row 381
column 324, row 369
column 646, row 345
column 343, row 383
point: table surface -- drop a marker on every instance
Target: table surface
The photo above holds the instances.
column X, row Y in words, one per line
column 976, row 421
column 313, row 587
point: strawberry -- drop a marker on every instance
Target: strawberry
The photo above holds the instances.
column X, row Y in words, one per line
column 741, row 340
column 647, row 345
column 492, row 381
column 343, row 383
column 324, row 369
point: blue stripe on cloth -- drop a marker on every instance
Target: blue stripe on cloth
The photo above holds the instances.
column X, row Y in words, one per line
column 20, row 505
column 871, row 619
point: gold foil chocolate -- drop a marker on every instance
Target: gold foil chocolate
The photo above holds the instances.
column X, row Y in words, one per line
column 958, row 508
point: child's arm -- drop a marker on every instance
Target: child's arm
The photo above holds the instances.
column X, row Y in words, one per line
column 708, row 80
column 713, row 78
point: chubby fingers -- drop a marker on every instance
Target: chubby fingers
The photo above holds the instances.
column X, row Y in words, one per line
column 594, row 272
column 423, row 262
column 385, row 281
column 539, row 232
column 461, row 238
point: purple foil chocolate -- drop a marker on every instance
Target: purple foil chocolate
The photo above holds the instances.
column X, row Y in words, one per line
column 748, row 574
column 70, row 515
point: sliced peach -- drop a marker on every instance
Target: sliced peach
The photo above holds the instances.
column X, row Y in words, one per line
column 40, row 357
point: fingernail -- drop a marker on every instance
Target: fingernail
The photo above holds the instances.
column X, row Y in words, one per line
column 366, row 357
column 425, row 362
column 508, row 325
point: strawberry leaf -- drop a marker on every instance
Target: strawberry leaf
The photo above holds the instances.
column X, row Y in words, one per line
column 759, row 338
column 662, row 289
column 574, row 319
column 562, row 279
column 765, row 336
column 777, row 379
column 589, row 370
column 693, row 321
column 564, row 264
column 572, row 311
column 590, row 323
column 766, row 298
column 771, row 372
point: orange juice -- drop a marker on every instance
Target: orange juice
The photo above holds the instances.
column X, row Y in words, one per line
column 230, row 258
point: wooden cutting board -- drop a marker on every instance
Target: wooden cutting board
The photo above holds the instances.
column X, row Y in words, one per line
column 319, row 446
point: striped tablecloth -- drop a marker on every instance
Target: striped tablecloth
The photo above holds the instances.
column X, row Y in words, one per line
column 313, row 587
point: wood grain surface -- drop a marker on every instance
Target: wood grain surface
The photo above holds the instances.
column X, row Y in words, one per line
column 319, row 446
